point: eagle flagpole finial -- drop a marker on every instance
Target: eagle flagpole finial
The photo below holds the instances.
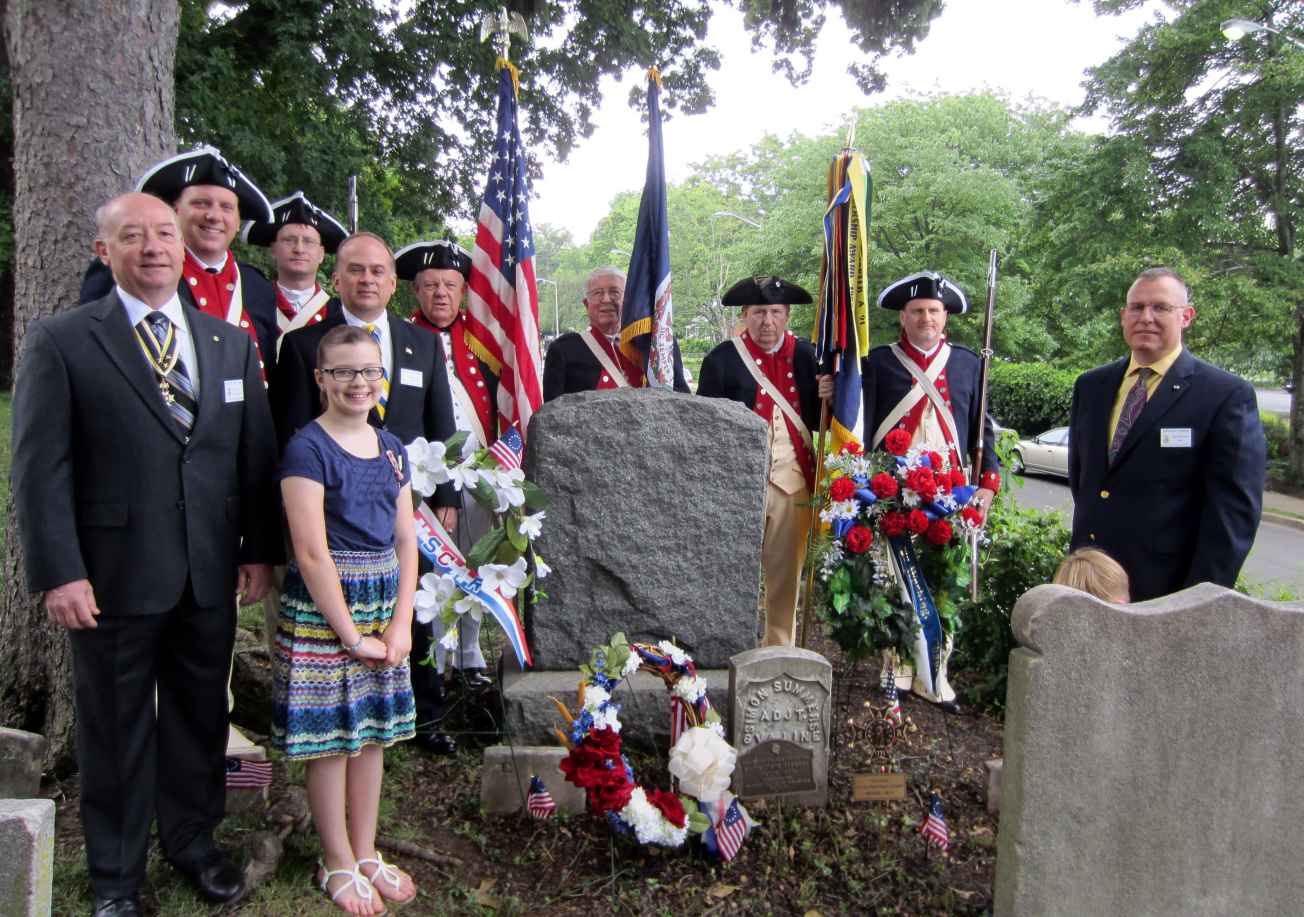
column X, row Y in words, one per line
column 501, row 26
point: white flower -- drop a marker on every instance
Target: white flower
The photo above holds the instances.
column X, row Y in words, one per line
column 717, row 728
column 840, row 509
column 503, row 578
column 434, row 592
column 704, row 762
column 506, row 485
column 691, row 688
column 650, row 826
column 677, row 656
column 449, row 640
column 607, row 718
column 540, row 568
column 631, row 664
column 464, row 476
column 429, row 468
column 532, row 526
column 909, row 497
column 860, row 467
column 594, row 697
column 469, row 605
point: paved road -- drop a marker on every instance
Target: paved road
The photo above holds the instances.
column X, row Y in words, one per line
column 1276, row 400
column 1277, row 555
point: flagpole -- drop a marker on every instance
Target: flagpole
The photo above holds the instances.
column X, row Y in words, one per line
column 835, row 180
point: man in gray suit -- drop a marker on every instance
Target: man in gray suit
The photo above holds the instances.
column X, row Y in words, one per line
column 144, row 465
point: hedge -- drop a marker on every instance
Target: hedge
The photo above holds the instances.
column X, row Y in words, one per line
column 1030, row 397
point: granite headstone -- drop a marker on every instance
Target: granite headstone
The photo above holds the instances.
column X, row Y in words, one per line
column 1153, row 756
column 781, row 714
column 26, row 857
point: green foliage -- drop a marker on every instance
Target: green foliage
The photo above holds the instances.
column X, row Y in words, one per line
column 1030, row 397
column 859, row 616
column 1277, row 429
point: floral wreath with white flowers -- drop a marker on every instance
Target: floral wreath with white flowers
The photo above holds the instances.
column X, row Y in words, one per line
column 875, row 499
column 503, row 561
column 700, row 759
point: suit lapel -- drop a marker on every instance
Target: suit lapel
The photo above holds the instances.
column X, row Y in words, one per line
column 208, row 353
column 1101, row 406
column 1172, row 387
column 401, row 357
column 114, row 333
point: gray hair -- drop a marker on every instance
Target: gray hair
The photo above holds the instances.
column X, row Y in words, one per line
column 1158, row 273
column 603, row 272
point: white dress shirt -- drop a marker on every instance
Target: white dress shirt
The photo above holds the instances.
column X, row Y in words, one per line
column 386, row 344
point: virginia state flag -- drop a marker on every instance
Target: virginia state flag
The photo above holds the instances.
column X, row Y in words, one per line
column 646, row 336
column 842, row 324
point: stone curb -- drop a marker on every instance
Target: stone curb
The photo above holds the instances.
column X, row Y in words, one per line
column 1291, row 522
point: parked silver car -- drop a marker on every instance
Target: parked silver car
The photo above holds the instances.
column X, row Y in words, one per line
column 1044, row 454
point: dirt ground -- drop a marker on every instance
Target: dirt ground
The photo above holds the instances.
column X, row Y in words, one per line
column 849, row 858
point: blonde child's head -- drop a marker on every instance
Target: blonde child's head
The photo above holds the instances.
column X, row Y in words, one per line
column 1093, row 571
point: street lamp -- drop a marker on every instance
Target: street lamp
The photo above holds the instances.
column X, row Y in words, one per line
column 619, row 251
column 736, row 216
column 556, row 306
column 1236, row 29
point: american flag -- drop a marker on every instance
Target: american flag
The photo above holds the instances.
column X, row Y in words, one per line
column 678, row 719
column 893, row 712
column 247, row 774
column 539, row 803
column 934, row 829
column 731, row 830
column 503, row 303
column 507, row 448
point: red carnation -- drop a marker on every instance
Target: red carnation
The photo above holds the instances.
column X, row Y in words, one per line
column 972, row 515
column 852, row 448
column 669, row 805
column 893, row 524
column 934, row 461
column 613, row 798
column 884, row 485
column 922, row 482
column 957, row 478
column 939, row 532
column 917, row 521
column 897, row 442
column 842, row 489
column 605, row 741
column 859, row 539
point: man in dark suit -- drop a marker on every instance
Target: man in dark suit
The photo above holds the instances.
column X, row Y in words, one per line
column 773, row 373
column 1167, row 454
column 415, row 402
column 144, row 479
column 592, row 359
column 211, row 196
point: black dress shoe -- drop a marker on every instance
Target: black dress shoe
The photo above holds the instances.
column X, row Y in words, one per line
column 477, row 680
column 436, row 743
column 215, row 877
column 117, row 907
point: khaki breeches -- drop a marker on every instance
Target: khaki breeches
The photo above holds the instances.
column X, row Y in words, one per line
column 787, row 523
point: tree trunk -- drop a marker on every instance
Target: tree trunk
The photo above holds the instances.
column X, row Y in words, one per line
column 93, row 107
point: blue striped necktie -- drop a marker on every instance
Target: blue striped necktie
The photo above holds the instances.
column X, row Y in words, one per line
column 158, row 339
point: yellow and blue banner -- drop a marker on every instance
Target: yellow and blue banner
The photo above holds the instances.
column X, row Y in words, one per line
column 646, row 333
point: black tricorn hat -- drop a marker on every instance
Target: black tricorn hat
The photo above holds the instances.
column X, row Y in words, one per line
column 924, row 285
column 205, row 166
column 770, row 291
column 296, row 209
column 440, row 255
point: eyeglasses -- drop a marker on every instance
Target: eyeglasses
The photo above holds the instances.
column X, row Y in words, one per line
column 345, row 374
column 1159, row 308
column 298, row 242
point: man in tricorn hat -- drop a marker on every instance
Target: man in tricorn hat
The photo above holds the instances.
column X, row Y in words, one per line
column 439, row 271
column 210, row 197
column 928, row 387
column 770, row 371
column 299, row 236
column 592, row 359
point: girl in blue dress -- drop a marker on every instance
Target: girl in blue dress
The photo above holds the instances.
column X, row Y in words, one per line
column 343, row 688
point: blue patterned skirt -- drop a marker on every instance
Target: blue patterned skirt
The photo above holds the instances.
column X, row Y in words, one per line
column 324, row 702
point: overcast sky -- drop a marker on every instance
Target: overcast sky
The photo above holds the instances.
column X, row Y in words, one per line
column 1028, row 48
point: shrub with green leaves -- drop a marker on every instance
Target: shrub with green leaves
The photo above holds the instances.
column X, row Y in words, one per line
column 1030, row 397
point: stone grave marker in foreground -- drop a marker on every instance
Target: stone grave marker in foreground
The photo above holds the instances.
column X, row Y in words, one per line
column 781, row 713
column 1154, row 756
column 654, row 529
column 26, row 857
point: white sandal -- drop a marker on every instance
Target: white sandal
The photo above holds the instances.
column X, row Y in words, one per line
column 390, row 874
column 360, row 883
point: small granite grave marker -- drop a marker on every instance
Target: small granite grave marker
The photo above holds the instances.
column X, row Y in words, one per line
column 26, row 857
column 780, row 717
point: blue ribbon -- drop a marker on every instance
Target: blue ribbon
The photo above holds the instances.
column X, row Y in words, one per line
column 920, row 599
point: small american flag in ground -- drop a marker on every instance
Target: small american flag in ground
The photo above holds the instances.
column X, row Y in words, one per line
column 731, row 831
column 934, row 829
column 507, row 448
column 893, row 712
column 247, row 774
column 539, row 803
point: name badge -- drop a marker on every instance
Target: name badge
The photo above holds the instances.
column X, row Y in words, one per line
column 233, row 390
column 1175, row 438
column 409, row 377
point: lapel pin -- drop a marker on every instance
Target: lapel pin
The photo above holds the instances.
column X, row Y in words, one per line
column 217, row 339
column 1176, row 386
column 408, row 351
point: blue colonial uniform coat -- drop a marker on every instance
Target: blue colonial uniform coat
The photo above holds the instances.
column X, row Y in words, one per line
column 1180, row 503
